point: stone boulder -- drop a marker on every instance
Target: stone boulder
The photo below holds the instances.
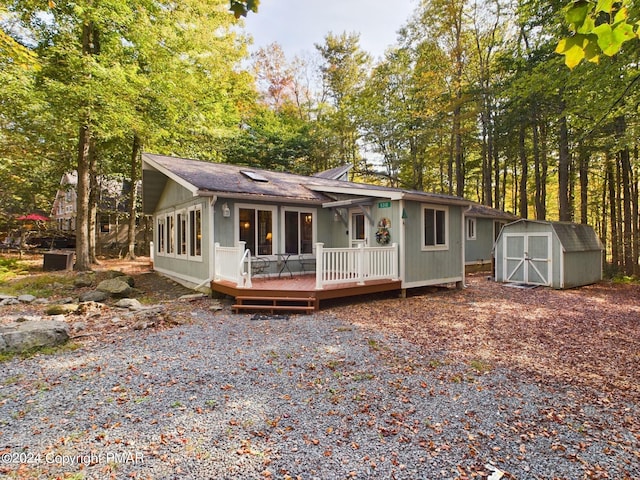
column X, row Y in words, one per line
column 129, row 303
column 82, row 281
column 93, row 296
column 25, row 336
column 115, row 287
column 63, row 309
column 26, row 298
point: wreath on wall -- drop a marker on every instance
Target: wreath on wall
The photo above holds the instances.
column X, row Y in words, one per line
column 383, row 237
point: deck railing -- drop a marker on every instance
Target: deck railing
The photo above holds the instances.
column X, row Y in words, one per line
column 341, row 265
column 233, row 264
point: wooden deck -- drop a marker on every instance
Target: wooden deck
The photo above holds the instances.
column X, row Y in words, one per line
column 297, row 293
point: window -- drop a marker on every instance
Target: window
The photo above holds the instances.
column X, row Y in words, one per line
column 195, row 231
column 256, row 229
column 181, row 227
column 170, row 232
column 471, row 228
column 161, row 236
column 298, row 231
column 435, row 228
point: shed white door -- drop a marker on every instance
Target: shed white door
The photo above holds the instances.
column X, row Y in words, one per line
column 527, row 258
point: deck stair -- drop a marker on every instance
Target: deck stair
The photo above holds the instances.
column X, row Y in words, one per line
column 275, row 304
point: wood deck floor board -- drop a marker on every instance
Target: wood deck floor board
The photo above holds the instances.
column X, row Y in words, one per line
column 303, row 287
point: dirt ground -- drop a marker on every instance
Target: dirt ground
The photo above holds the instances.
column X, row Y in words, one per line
column 583, row 337
column 587, row 337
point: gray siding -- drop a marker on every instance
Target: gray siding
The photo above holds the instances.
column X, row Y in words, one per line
column 193, row 271
column 582, row 268
column 479, row 250
column 432, row 267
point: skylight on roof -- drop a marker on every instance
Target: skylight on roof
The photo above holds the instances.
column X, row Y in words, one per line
column 256, row 177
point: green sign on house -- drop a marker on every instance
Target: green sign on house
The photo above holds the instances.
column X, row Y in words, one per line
column 384, row 204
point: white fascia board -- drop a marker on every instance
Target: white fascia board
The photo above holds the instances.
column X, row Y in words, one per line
column 346, row 190
column 180, row 181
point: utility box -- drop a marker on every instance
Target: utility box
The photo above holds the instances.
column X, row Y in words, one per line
column 59, row 260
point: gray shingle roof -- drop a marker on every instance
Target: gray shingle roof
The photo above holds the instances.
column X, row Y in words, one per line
column 576, row 237
column 221, row 178
column 478, row 210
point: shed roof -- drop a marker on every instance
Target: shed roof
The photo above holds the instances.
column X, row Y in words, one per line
column 207, row 178
column 574, row 237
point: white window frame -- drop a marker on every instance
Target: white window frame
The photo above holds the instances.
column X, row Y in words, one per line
column 170, row 233
column 471, row 228
column 191, row 233
column 161, row 237
column 314, row 229
column 257, row 207
column 184, row 229
column 435, row 208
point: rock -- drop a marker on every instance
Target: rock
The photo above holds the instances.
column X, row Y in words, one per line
column 62, row 309
column 4, row 296
column 65, row 300
column 130, row 303
column 26, row 298
column 115, row 287
column 21, row 337
column 58, row 318
column 40, row 301
column 127, row 279
column 9, row 301
column 93, row 296
column 83, row 281
column 114, row 273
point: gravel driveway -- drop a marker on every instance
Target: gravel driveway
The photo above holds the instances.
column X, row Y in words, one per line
column 235, row 396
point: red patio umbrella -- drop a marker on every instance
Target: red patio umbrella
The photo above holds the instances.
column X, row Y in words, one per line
column 34, row 217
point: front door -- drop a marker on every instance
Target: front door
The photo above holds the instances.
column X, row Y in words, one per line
column 527, row 258
column 357, row 229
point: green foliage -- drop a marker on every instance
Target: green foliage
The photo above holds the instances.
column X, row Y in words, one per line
column 600, row 27
column 16, row 282
column 10, row 268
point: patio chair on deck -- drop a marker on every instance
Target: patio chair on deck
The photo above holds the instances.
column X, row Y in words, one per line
column 307, row 262
column 259, row 265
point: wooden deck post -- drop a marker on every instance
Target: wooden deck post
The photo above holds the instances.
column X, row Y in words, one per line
column 319, row 265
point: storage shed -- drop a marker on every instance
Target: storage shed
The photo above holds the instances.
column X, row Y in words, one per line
column 554, row 254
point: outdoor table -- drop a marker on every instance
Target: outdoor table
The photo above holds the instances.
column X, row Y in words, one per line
column 284, row 258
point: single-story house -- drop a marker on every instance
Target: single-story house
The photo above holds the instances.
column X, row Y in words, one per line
column 554, row 254
column 231, row 228
column 482, row 227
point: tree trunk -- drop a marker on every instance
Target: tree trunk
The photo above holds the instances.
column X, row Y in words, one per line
column 625, row 173
column 83, row 260
column 584, row 182
column 612, row 213
column 524, row 167
column 131, row 234
column 563, row 172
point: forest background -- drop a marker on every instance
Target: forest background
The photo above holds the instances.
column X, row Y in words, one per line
column 473, row 100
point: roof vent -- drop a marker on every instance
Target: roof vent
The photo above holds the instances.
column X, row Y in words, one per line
column 256, row 177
